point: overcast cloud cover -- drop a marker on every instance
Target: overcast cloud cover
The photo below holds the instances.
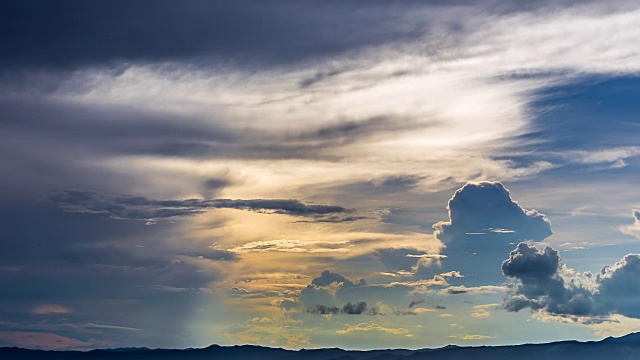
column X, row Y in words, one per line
column 318, row 173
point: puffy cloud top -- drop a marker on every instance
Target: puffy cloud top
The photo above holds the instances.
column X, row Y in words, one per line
column 484, row 222
column 487, row 208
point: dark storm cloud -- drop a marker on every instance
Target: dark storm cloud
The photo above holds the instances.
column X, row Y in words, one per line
column 142, row 208
column 416, row 302
column 71, row 33
column 102, row 271
column 484, row 222
column 539, row 285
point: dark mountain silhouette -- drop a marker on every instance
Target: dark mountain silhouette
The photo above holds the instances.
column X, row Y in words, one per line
column 626, row 347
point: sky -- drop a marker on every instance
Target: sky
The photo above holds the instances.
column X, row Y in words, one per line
column 308, row 174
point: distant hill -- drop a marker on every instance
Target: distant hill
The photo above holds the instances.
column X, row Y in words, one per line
column 626, row 347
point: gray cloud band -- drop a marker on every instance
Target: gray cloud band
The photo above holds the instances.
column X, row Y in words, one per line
column 142, row 208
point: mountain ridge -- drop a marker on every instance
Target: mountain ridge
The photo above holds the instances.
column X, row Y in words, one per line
column 624, row 347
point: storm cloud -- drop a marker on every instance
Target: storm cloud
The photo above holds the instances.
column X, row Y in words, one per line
column 541, row 284
column 282, row 32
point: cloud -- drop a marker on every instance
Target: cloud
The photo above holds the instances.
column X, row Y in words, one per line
column 354, row 309
column 142, row 208
column 328, row 293
column 366, row 327
column 633, row 229
column 482, row 311
column 195, row 30
column 486, row 289
column 423, row 285
column 614, row 157
column 619, row 286
column 324, row 310
column 483, row 223
column 361, row 308
column 486, row 208
column 349, row 308
column 420, row 310
column 542, row 285
column 407, row 260
column 292, row 246
column 325, row 289
column 328, row 278
column 46, row 309
column 470, row 337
